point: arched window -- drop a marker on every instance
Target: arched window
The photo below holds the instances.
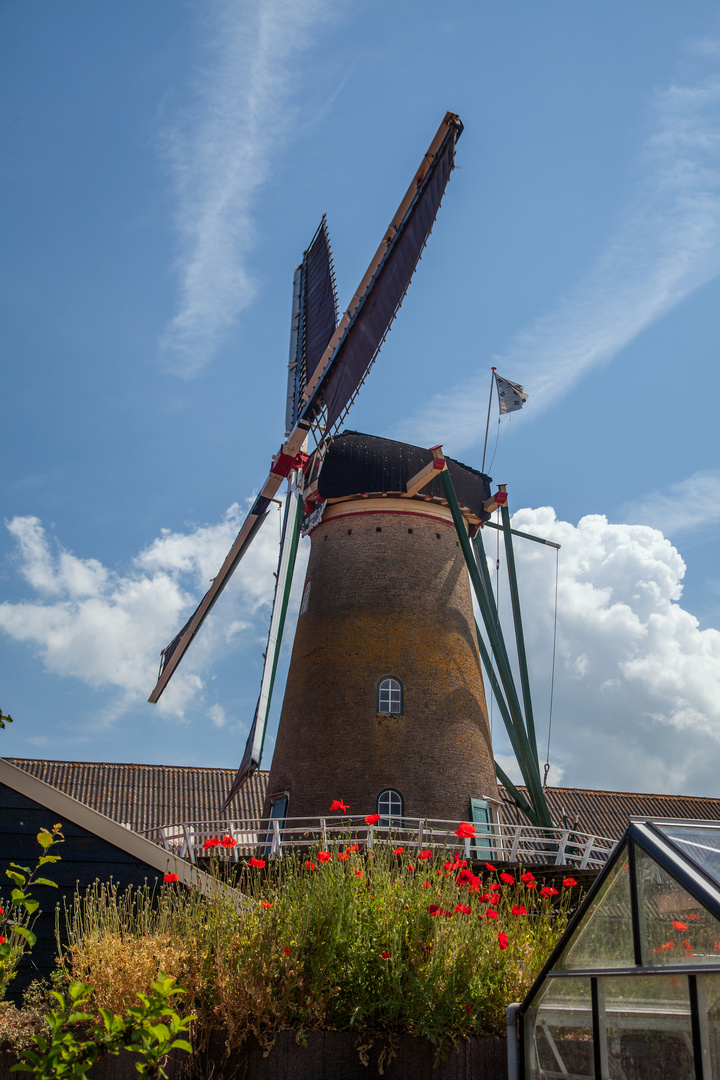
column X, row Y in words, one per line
column 390, row 808
column 390, row 697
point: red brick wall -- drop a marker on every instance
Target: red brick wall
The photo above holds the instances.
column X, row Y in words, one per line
column 389, row 595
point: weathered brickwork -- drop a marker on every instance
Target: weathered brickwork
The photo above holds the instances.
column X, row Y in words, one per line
column 389, row 596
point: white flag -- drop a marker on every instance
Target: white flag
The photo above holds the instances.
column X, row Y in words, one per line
column 511, row 396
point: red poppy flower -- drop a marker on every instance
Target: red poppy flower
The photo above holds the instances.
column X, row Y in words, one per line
column 343, row 856
column 462, row 909
column 518, row 909
column 265, row 903
column 667, row 945
column 467, row 1009
column 716, row 946
column 2, row 910
column 372, row 819
column 426, row 885
column 286, row 950
column 465, row 876
column 465, row 831
column 527, row 877
column 211, row 843
column 257, row 863
column 385, row 955
column 494, row 901
column 228, row 841
column 531, row 884
column 411, row 868
column 398, row 850
column 433, row 909
column 168, row 878
column 358, row 873
column 507, row 878
column 424, row 855
column 475, row 884
column 503, row 940
column 490, row 866
column 687, row 945
column 569, row 882
column 495, row 887
column 309, row 865
column 338, row 804
column 547, row 890
column 324, row 856
column 678, row 925
column 484, row 898
column 490, row 914
column 693, row 916
column 2, row 939
column 352, row 847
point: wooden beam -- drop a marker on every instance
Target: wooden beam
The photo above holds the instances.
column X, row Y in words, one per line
column 420, row 479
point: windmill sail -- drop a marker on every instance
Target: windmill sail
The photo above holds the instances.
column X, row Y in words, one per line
column 286, row 565
column 357, row 340
column 324, row 383
column 314, row 318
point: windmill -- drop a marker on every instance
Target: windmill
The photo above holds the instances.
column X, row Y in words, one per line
column 329, row 361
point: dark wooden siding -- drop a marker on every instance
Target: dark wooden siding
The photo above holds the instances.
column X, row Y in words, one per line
column 85, row 858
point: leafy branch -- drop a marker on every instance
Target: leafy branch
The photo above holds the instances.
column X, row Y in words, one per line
column 151, row 1029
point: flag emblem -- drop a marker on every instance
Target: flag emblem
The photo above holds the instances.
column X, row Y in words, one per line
column 511, row 396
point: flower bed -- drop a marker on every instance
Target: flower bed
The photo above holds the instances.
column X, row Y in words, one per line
column 381, row 944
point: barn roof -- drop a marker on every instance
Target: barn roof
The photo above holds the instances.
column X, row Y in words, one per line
column 608, row 813
column 146, row 796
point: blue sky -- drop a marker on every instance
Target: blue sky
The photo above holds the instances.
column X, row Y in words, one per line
column 164, row 167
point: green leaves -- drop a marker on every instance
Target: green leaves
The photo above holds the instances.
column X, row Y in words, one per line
column 148, row 1029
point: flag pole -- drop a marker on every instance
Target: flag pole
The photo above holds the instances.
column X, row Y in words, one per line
column 487, row 426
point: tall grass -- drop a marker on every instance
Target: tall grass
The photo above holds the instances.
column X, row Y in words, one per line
column 374, row 942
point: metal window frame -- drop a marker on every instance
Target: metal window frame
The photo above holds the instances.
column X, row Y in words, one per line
column 646, row 836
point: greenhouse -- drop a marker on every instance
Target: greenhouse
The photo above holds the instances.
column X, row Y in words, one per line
column 632, row 991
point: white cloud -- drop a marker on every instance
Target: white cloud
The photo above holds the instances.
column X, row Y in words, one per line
column 107, row 628
column 687, row 507
column 637, row 689
column 667, row 245
column 221, row 157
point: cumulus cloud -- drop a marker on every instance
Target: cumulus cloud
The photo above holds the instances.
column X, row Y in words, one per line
column 637, row 688
column 106, row 628
column 221, row 156
column 666, row 246
column 692, row 505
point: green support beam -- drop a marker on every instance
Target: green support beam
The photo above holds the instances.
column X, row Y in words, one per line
column 527, row 760
column 519, row 636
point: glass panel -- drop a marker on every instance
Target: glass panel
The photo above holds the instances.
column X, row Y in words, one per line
column 604, row 937
column 390, row 808
column 558, row 1032
column 709, row 1009
column 645, row 1030
column 701, row 843
column 674, row 927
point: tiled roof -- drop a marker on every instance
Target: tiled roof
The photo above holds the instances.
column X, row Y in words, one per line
column 608, row 813
column 145, row 796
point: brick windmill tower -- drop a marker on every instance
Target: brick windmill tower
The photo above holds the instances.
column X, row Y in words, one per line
column 384, row 705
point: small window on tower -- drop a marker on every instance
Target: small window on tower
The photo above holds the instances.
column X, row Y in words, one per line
column 305, row 599
column 390, row 809
column 390, row 697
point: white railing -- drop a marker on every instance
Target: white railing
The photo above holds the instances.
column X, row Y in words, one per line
column 525, row 844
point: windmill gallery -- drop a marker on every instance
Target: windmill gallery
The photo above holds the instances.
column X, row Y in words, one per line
column 394, row 718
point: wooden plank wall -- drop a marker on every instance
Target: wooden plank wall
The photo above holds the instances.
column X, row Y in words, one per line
column 84, row 858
